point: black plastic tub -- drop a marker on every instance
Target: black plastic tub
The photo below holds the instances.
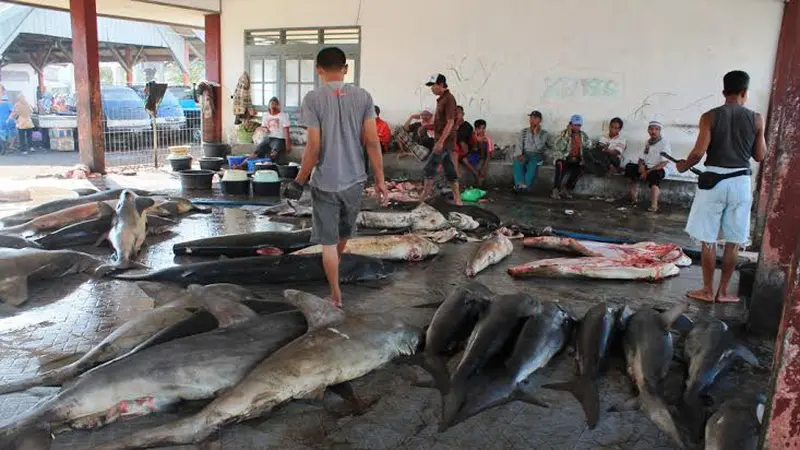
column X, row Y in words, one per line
column 196, row 179
column 211, row 163
column 216, row 149
column 267, row 189
column 180, row 163
column 266, row 166
column 288, row 172
column 236, row 187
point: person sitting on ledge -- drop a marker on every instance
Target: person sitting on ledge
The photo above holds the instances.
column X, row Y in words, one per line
column 420, row 125
column 278, row 143
column 534, row 141
column 650, row 167
column 606, row 156
column 384, row 132
column 476, row 161
column 567, row 150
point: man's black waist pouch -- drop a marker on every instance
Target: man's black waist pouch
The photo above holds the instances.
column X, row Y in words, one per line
column 707, row 180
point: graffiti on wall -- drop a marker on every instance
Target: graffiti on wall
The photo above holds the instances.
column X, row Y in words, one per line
column 467, row 78
column 571, row 87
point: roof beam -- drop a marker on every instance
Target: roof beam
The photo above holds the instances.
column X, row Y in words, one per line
column 194, row 49
column 64, row 50
column 120, row 59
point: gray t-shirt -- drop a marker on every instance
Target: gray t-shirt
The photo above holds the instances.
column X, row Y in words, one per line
column 339, row 111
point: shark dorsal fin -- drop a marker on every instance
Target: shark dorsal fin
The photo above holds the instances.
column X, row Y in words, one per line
column 319, row 313
column 224, row 302
column 162, row 293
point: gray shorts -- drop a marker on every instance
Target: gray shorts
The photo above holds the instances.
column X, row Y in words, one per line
column 334, row 214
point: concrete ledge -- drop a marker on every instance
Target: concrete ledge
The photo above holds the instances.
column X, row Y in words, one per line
column 673, row 191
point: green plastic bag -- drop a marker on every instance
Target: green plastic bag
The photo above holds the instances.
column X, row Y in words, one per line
column 473, row 195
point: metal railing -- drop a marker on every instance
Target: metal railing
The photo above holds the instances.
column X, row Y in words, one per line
column 131, row 136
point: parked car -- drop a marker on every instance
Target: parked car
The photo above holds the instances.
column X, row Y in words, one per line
column 170, row 118
column 125, row 121
column 191, row 109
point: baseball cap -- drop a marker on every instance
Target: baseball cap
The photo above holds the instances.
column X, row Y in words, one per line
column 535, row 113
column 436, row 78
column 576, row 119
column 655, row 123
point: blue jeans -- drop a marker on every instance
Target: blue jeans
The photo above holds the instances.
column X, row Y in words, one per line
column 525, row 171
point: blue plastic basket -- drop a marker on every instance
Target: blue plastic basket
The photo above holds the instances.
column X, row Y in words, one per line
column 251, row 163
column 235, row 160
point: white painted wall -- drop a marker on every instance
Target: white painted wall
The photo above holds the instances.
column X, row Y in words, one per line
column 629, row 58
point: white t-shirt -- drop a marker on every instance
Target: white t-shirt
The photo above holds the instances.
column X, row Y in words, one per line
column 617, row 143
column 275, row 124
column 653, row 156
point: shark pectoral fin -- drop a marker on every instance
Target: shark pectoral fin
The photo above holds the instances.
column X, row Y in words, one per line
column 319, row 313
column 14, row 290
column 37, row 438
column 104, row 209
column 57, row 361
column 101, row 239
column 430, row 305
column 529, row 398
column 746, row 354
column 683, row 324
column 316, row 394
column 437, row 367
column 142, row 203
column 623, row 315
column 231, row 291
column 213, row 442
column 671, row 315
column 430, row 384
column 632, row 404
column 345, row 390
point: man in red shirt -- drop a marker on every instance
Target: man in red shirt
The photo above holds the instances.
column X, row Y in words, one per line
column 384, row 132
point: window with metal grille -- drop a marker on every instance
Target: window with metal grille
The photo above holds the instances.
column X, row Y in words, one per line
column 281, row 62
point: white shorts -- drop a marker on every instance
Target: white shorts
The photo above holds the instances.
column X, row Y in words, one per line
column 722, row 213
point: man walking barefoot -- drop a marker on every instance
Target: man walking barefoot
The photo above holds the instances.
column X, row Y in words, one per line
column 445, row 134
column 729, row 135
column 338, row 117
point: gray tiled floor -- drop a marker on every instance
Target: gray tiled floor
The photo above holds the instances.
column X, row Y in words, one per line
column 69, row 315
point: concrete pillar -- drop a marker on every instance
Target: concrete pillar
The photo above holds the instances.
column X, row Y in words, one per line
column 780, row 182
column 783, row 415
column 214, row 71
column 127, row 54
column 86, row 59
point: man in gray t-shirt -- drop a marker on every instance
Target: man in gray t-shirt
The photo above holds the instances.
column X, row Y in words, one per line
column 339, row 117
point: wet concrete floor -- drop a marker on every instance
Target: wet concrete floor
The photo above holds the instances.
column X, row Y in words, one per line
column 70, row 315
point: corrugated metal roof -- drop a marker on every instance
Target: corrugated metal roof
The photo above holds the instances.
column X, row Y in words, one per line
column 16, row 19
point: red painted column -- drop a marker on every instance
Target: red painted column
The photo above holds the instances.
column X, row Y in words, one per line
column 128, row 55
column 86, row 59
column 783, row 417
column 186, row 80
column 782, row 216
column 214, row 71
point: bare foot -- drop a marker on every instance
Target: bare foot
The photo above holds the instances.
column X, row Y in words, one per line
column 335, row 302
column 727, row 298
column 701, row 295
